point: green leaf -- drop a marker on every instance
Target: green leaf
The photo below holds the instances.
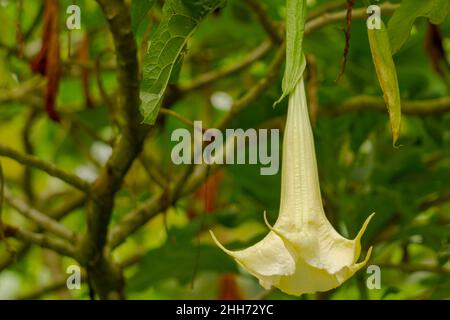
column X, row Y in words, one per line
column 181, row 258
column 401, row 23
column 139, row 9
column 387, row 76
column 179, row 262
column 179, row 21
column 295, row 59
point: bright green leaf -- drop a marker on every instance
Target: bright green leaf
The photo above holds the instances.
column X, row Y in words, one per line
column 387, row 76
column 401, row 23
column 180, row 19
column 295, row 59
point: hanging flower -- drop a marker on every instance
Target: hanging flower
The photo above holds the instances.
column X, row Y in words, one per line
column 302, row 253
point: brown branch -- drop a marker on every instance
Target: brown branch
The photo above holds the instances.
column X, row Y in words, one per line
column 22, row 91
column 330, row 18
column 153, row 171
column 177, row 116
column 348, row 20
column 136, row 218
column 49, row 168
column 414, row 268
column 209, row 77
column 254, row 92
column 41, row 240
column 435, row 200
column 266, row 21
column 27, row 179
column 40, row 218
column 105, row 277
column 369, row 103
column 72, row 203
column 326, row 7
column 62, row 283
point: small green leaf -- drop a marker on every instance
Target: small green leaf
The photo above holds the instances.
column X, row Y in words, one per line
column 387, row 76
column 295, row 59
column 139, row 9
column 180, row 19
column 402, row 21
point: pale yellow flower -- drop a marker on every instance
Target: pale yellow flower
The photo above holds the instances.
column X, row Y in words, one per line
column 302, row 253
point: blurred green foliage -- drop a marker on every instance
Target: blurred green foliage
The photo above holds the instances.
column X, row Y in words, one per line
column 360, row 171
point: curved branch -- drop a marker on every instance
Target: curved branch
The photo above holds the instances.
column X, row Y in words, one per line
column 254, row 92
column 223, row 72
column 40, row 218
column 369, row 103
column 329, row 18
column 40, row 239
column 106, row 278
column 414, row 268
column 49, row 168
column 135, row 219
column 74, row 202
column 266, row 21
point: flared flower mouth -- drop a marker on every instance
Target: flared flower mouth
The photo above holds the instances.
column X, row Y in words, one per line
column 302, row 253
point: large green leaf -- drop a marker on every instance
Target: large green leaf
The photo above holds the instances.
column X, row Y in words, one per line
column 139, row 9
column 180, row 19
column 295, row 59
column 401, row 23
column 387, row 76
column 179, row 262
column 180, row 258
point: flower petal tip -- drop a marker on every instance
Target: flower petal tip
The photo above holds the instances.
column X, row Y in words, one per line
column 364, row 227
column 220, row 245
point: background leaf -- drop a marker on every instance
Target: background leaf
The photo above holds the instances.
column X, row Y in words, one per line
column 387, row 76
column 180, row 18
column 181, row 258
column 295, row 59
column 401, row 23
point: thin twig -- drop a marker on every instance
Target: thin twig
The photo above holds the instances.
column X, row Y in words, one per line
column 40, row 239
column 266, row 21
column 211, row 76
column 370, row 103
column 73, row 202
column 330, row 18
column 326, row 7
column 51, row 169
column 414, row 268
column 40, row 218
column 254, row 92
column 348, row 20
column 177, row 116
column 61, row 284
column 153, row 172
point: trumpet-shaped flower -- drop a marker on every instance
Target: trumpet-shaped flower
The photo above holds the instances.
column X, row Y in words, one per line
column 302, row 253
